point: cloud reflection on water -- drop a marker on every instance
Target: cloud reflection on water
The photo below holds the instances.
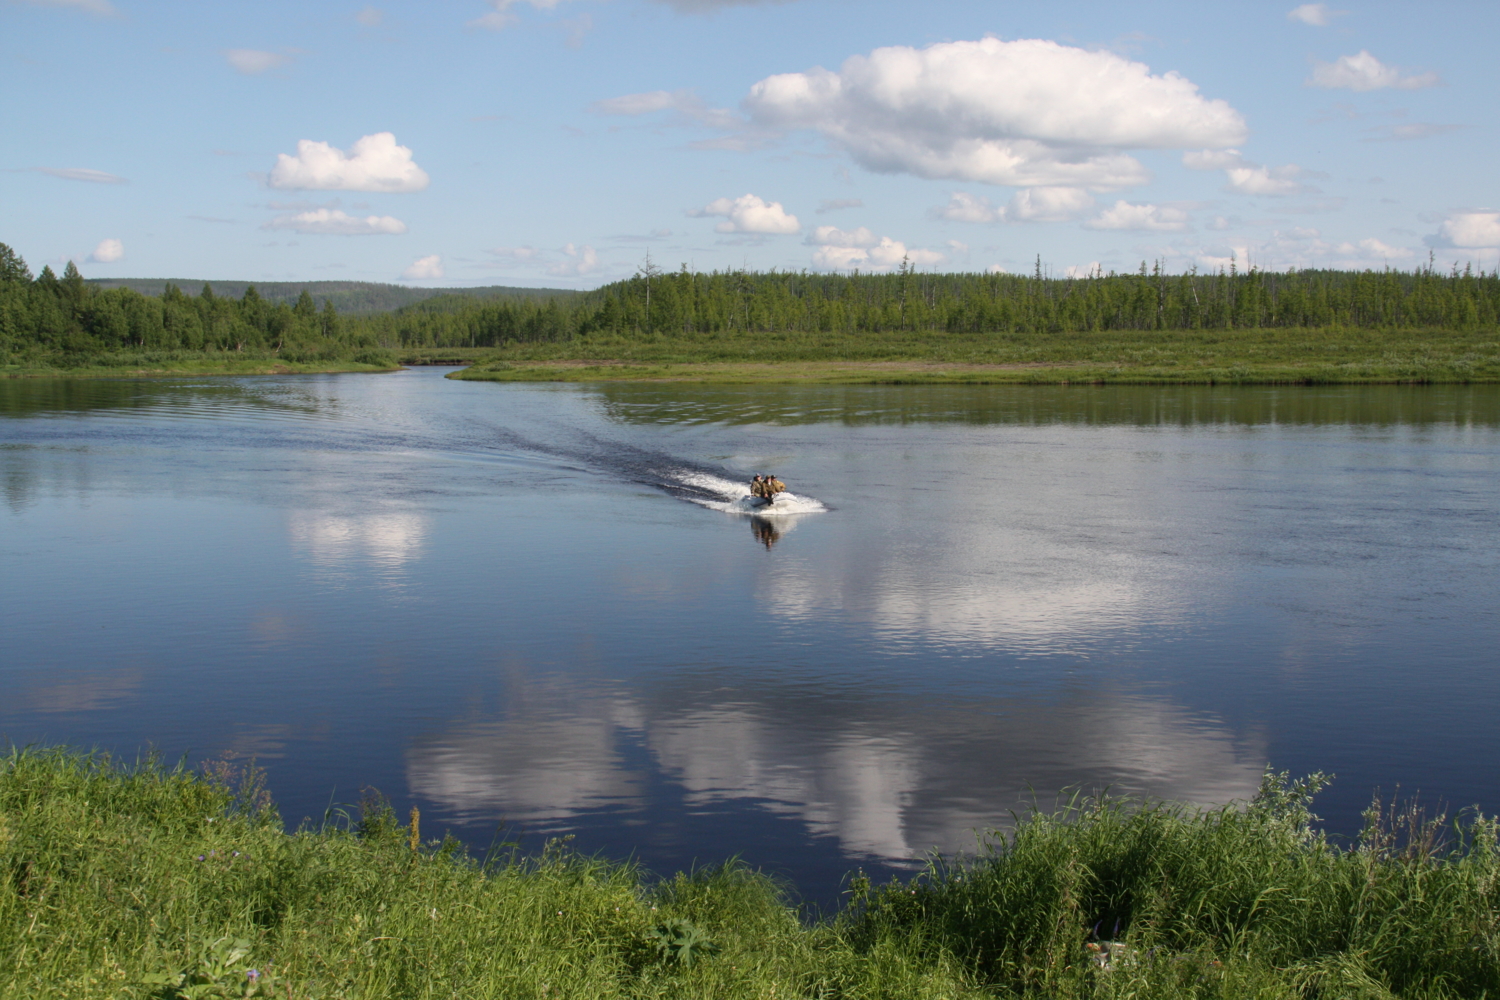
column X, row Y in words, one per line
column 889, row 778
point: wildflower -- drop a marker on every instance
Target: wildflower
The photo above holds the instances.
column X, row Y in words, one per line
column 200, row 857
column 252, row 974
column 236, row 853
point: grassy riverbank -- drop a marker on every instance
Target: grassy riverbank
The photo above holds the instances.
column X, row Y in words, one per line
column 131, row 364
column 144, row 882
column 1309, row 356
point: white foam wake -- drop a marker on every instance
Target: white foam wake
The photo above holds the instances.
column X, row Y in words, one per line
column 734, row 497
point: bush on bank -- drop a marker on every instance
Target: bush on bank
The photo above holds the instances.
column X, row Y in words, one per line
column 151, row 882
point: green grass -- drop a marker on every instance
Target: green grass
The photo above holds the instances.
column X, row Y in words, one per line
column 152, row 882
column 117, row 364
column 1336, row 355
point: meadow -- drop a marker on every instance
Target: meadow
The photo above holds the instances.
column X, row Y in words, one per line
column 149, row 881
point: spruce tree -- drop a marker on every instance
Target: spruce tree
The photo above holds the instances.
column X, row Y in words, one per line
column 13, row 269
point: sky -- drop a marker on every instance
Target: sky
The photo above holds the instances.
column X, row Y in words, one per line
column 558, row 143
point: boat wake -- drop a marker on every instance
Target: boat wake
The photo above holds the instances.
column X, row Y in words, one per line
column 717, row 493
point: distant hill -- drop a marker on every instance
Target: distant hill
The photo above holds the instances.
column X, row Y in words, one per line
column 350, row 297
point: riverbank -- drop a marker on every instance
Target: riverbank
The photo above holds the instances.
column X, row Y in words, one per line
column 1248, row 356
column 151, row 882
column 218, row 363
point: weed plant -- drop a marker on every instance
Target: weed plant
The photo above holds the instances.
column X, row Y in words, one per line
column 151, row 882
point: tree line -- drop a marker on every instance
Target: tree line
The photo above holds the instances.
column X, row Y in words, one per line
column 66, row 315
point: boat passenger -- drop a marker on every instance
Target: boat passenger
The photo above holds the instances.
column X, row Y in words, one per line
column 757, row 486
column 773, row 487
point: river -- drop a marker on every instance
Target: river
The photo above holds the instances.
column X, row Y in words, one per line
column 534, row 610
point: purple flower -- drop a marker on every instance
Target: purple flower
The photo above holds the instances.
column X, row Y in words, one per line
column 252, row 974
column 200, row 857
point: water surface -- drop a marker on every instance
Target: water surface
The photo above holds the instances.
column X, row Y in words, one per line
column 536, row 605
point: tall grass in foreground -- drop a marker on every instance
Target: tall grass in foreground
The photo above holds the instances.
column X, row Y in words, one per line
column 151, row 882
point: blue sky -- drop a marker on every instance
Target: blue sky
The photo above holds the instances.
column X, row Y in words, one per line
column 557, row 142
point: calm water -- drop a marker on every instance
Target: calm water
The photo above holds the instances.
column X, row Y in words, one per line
column 534, row 603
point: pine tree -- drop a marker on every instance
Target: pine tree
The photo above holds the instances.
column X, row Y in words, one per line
column 13, row 269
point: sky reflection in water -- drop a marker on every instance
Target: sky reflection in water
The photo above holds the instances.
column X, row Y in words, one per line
column 502, row 602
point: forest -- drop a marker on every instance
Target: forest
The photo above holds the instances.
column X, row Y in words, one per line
column 53, row 322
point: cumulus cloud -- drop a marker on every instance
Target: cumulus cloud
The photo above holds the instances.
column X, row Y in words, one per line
column 101, row 7
column 1048, row 204
column 253, row 61
column 1029, row 113
column 424, row 268
column 1143, row 218
column 749, row 214
column 688, row 106
column 1469, row 231
column 832, row 236
column 82, row 174
column 374, row 163
column 965, row 207
column 107, row 252
column 1317, row 15
column 580, row 260
column 1364, row 72
column 334, row 222
column 1274, row 181
column 845, row 250
column 1039, row 204
column 1089, row 270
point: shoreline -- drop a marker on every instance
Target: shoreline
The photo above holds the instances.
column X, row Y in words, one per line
column 959, row 373
column 193, row 370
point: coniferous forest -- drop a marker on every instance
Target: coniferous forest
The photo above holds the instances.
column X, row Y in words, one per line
column 57, row 323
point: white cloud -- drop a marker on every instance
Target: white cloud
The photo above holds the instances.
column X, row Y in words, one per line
column 370, row 17
column 374, row 163
column 1318, row 15
column 1212, row 159
column 101, row 7
column 1469, row 231
column 997, row 269
column 253, row 61
column 516, row 253
column 82, row 174
column 333, row 222
column 1371, row 249
column 1265, row 180
column 1365, row 72
column 1040, row 204
column 581, row 260
column 501, row 16
column 107, row 252
column 1048, row 204
column 701, row 6
column 844, row 251
column 832, row 236
column 1075, row 271
column 687, row 104
column 1027, row 113
column 749, row 214
column 424, row 268
column 965, row 207
column 1146, row 218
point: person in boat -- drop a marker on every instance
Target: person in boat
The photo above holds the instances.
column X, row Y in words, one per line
column 773, row 486
column 757, row 486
